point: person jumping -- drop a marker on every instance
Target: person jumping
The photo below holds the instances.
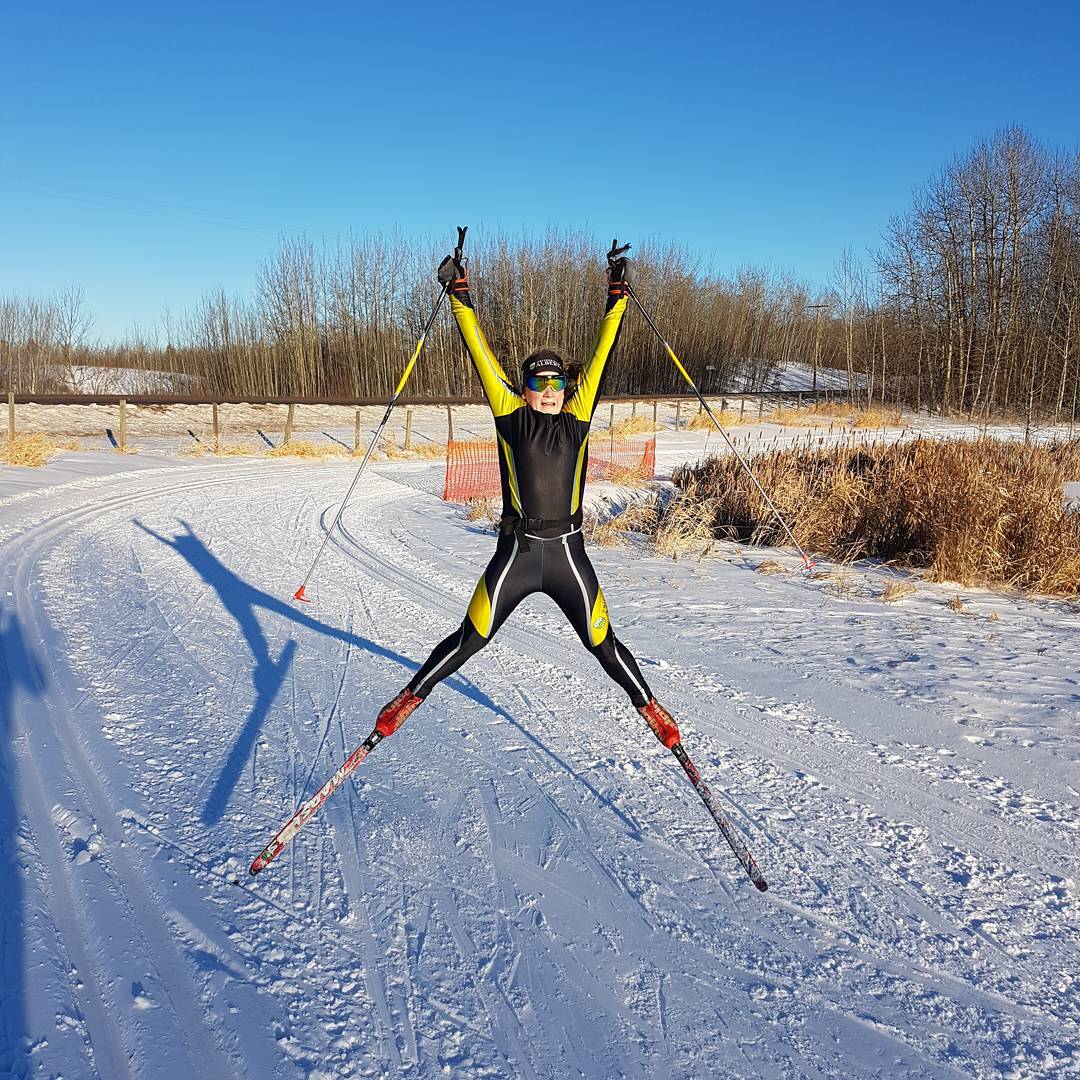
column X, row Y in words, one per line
column 543, row 445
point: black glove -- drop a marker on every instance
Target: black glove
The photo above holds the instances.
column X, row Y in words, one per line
column 453, row 266
column 450, row 270
column 618, row 264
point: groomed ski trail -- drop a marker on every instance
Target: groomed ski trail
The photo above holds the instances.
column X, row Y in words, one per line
column 520, row 881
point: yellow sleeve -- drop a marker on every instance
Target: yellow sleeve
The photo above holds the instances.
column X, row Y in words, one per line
column 582, row 403
column 502, row 397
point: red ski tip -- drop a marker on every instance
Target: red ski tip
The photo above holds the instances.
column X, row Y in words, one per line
column 299, row 595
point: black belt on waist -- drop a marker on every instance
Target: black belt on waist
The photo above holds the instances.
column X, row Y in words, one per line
column 522, row 525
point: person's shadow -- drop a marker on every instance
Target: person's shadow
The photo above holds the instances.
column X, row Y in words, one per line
column 241, row 600
column 20, row 674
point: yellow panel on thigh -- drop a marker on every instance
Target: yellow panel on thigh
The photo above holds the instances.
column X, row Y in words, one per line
column 480, row 609
column 598, row 622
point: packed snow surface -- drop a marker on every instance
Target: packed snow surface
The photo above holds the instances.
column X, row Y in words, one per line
column 520, row 882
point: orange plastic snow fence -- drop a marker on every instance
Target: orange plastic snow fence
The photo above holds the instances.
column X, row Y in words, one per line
column 472, row 468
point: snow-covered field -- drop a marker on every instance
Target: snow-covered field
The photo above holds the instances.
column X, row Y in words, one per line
column 520, row 882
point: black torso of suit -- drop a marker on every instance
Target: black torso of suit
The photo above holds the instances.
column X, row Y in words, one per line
column 543, row 462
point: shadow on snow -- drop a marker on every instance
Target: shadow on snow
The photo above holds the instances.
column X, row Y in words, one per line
column 21, row 675
column 241, row 600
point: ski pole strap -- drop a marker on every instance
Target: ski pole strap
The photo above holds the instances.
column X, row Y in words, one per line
column 520, row 526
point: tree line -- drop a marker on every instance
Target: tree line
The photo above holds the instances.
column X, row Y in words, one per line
column 970, row 304
column 979, row 282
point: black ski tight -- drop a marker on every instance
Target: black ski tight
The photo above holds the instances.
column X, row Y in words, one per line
column 558, row 567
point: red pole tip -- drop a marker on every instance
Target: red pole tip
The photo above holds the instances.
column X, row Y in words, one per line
column 299, row 595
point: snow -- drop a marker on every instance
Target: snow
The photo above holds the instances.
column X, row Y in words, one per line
column 792, row 377
column 520, row 882
column 101, row 380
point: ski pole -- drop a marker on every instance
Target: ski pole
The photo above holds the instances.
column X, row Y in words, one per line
column 808, row 564
column 299, row 594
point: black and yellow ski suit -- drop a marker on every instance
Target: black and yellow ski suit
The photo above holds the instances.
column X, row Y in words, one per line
column 543, row 459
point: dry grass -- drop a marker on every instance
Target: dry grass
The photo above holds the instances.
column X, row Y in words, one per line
column 486, row 511
column 633, row 425
column 898, row 590
column 834, row 410
column 875, row 418
column 828, row 412
column 701, row 421
column 235, row 450
column 223, row 449
column 31, row 450
column 603, row 531
column 796, row 418
column 684, row 524
column 674, row 526
column 633, row 477
column 424, row 451
column 301, row 448
column 639, row 518
column 481, row 509
column 957, row 604
column 769, row 566
column 843, row 585
column 982, row 512
column 428, row 451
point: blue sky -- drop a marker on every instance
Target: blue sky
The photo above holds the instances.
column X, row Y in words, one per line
column 151, row 154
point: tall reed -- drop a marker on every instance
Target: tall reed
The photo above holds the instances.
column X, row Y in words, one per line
column 982, row 512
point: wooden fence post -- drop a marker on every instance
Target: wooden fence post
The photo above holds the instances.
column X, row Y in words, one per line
column 408, row 428
column 123, row 425
column 11, row 415
column 356, row 432
column 449, row 425
column 760, row 406
column 742, row 407
column 217, row 427
column 633, row 408
column 678, row 409
column 611, row 416
column 288, row 425
column 654, row 405
column 798, row 402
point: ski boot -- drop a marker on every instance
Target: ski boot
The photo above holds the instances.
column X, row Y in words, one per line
column 395, row 713
column 661, row 721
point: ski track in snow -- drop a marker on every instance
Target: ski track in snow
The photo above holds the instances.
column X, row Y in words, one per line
column 520, row 882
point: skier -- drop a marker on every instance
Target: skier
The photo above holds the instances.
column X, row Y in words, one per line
column 543, row 440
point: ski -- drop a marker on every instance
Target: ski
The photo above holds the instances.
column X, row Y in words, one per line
column 310, row 808
column 735, row 842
